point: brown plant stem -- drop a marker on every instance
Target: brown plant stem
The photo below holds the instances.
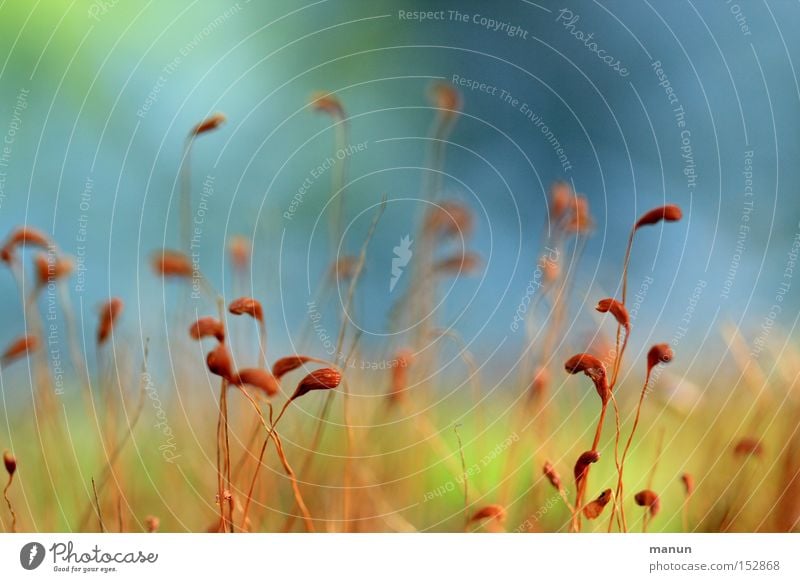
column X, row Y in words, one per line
column 463, row 474
column 420, row 297
column 563, row 494
column 260, row 460
column 434, row 439
column 625, row 265
column 618, row 357
column 318, row 432
column 617, row 437
column 119, row 447
column 227, row 493
column 295, row 487
column 576, row 517
column 659, row 451
column 326, row 407
column 619, row 354
column 262, row 344
column 619, row 492
column 186, row 196
column 10, row 506
column 99, row 511
column 685, row 512
column 349, row 456
column 220, row 483
column 340, row 344
column 41, row 366
column 76, row 354
column 284, row 461
column 338, row 185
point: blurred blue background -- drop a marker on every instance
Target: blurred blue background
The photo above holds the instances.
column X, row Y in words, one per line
column 97, row 99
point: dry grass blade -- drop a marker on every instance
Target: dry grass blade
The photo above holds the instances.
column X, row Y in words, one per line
column 463, row 472
column 97, row 508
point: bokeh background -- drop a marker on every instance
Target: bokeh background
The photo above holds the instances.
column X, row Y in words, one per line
column 96, row 99
column 109, row 90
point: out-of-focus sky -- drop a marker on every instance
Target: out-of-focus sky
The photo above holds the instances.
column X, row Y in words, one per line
column 96, row 100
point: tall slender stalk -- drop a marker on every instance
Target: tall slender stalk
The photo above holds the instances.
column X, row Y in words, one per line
column 260, row 461
column 8, row 502
column 326, row 407
column 284, row 461
column 619, row 494
column 463, row 475
column 688, row 483
column 186, row 196
column 99, row 510
column 579, row 496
